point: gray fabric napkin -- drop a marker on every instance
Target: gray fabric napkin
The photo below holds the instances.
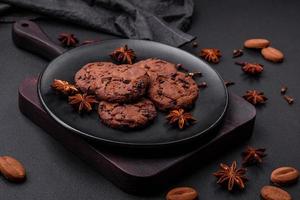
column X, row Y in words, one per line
column 158, row 20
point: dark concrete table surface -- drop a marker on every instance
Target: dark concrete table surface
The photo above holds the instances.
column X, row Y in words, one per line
column 55, row 173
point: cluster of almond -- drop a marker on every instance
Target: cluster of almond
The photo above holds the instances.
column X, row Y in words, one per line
column 281, row 176
column 269, row 53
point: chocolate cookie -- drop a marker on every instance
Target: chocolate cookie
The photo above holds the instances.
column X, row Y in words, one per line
column 122, row 116
column 113, row 83
column 155, row 67
column 122, row 83
column 173, row 91
column 86, row 76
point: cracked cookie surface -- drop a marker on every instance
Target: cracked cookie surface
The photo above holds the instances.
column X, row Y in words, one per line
column 173, row 91
column 156, row 67
column 122, row 116
column 86, row 76
column 113, row 83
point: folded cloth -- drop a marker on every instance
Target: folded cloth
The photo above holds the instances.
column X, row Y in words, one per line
column 158, row 20
column 4, row 7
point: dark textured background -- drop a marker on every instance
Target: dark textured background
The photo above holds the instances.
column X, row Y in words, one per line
column 55, row 173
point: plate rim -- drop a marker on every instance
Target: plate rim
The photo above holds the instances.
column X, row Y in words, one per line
column 131, row 144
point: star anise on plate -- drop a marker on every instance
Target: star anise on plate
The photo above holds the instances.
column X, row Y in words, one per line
column 181, row 118
column 255, row 97
column 231, row 176
column 82, row 102
column 64, row 87
column 123, row 55
column 211, row 54
column 251, row 68
column 253, row 155
column 68, row 39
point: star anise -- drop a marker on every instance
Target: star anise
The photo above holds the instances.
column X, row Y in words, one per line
column 68, row 39
column 83, row 102
column 253, row 156
column 231, row 176
column 251, row 68
column 255, row 97
column 211, row 55
column 123, row 55
column 64, row 87
column 181, row 118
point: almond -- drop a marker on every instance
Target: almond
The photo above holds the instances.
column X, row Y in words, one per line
column 257, row 43
column 272, row 54
column 274, row 193
column 284, row 175
column 12, row 169
column 182, row 193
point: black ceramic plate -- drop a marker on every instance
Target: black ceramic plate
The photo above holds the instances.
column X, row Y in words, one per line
column 209, row 108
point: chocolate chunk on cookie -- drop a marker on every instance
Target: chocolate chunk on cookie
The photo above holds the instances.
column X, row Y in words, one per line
column 173, row 91
column 156, row 67
column 122, row 116
column 123, row 83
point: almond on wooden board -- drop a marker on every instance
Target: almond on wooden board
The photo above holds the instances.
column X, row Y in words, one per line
column 284, row 175
column 272, row 54
column 12, row 169
column 182, row 193
column 257, row 43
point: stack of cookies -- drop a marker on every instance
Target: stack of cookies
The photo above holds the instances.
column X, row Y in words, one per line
column 130, row 94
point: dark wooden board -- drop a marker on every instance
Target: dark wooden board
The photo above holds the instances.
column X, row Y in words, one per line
column 141, row 173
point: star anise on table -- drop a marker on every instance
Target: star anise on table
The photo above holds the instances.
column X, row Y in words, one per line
column 251, row 68
column 64, row 87
column 211, row 54
column 181, row 118
column 82, row 102
column 255, row 97
column 123, row 55
column 253, row 155
column 68, row 39
column 231, row 176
